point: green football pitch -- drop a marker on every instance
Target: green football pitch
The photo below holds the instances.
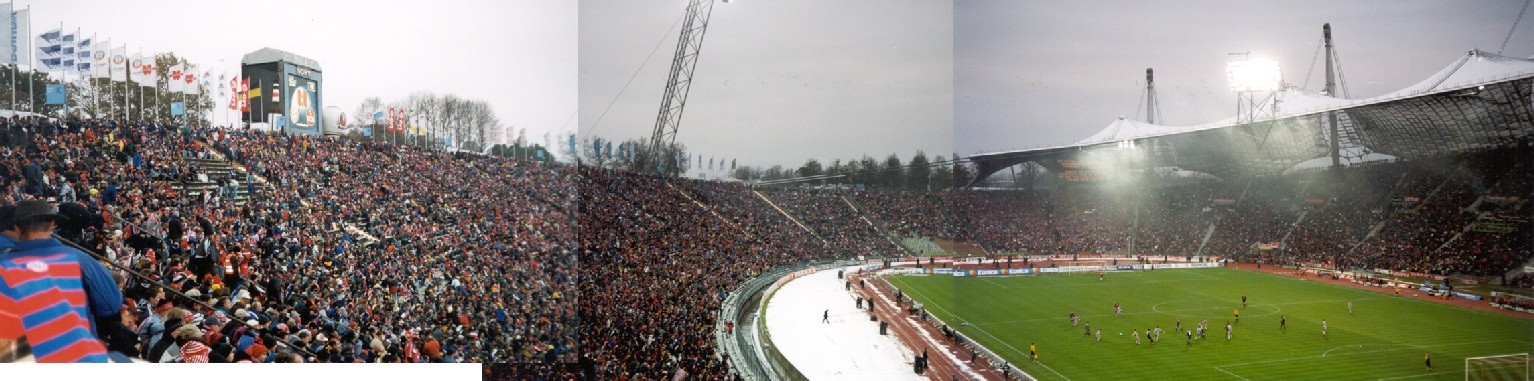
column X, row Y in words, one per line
column 1384, row 338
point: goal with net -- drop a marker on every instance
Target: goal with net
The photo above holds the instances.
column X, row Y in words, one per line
column 1501, row 367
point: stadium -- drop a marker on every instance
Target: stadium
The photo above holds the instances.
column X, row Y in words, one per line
column 1430, row 243
column 1310, row 235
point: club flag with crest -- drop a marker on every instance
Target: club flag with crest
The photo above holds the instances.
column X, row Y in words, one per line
column 146, row 74
column 119, row 62
column 136, row 66
column 99, row 56
column 192, row 78
column 176, row 81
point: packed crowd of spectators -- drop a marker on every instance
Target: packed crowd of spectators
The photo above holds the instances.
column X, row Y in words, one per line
column 459, row 258
column 657, row 265
column 1410, row 240
column 833, row 219
column 365, row 252
column 1004, row 221
column 1173, row 220
column 1262, row 215
column 1340, row 211
column 908, row 214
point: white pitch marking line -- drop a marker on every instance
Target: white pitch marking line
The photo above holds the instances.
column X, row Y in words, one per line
column 1003, row 342
column 1378, row 351
column 1413, row 376
column 1231, row 374
column 1329, row 351
column 963, row 366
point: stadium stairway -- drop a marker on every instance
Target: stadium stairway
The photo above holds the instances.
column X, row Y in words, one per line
column 1208, row 233
column 215, row 169
column 217, row 166
column 877, row 227
column 790, row 217
column 732, row 224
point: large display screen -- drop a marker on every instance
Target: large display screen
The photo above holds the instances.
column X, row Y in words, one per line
column 302, row 103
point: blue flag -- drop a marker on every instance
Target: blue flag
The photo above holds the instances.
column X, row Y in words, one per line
column 177, row 108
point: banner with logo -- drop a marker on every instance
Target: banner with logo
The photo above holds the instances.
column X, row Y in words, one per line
column 99, row 53
column 189, row 76
column 176, row 81
column 119, row 63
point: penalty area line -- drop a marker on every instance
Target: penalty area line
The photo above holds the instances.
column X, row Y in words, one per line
column 1231, row 374
column 999, row 340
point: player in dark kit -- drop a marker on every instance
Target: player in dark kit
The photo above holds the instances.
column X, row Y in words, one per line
column 1243, row 301
column 826, row 318
column 1283, row 324
column 1427, row 359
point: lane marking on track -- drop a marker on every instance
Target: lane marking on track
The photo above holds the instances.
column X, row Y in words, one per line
column 962, row 366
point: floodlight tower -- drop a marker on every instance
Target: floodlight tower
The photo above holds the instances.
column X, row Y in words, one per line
column 1255, row 82
column 1331, row 91
column 689, row 42
column 1150, row 96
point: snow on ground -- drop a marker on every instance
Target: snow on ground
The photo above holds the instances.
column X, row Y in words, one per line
column 847, row 348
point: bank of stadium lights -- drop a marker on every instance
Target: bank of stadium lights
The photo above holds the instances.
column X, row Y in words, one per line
column 1127, row 144
column 1254, row 76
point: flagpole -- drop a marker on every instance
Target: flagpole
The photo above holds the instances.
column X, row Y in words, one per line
column 31, row 64
column 141, row 86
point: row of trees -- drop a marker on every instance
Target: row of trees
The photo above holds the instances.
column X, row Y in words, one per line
column 470, row 124
column 918, row 174
column 892, row 173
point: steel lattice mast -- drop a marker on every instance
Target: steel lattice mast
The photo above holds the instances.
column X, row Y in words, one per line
column 1331, row 91
column 689, row 42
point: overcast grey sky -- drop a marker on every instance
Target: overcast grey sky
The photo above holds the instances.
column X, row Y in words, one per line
column 1033, row 73
column 519, row 56
column 778, row 81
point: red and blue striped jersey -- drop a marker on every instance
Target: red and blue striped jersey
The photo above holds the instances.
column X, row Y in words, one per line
column 46, row 295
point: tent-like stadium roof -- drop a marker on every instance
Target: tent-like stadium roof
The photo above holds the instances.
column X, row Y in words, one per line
column 1480, row 101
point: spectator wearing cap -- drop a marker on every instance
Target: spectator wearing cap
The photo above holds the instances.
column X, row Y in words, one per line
column 153, row 328
column 55, row 275
column 192, row 350
column 257, row 352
